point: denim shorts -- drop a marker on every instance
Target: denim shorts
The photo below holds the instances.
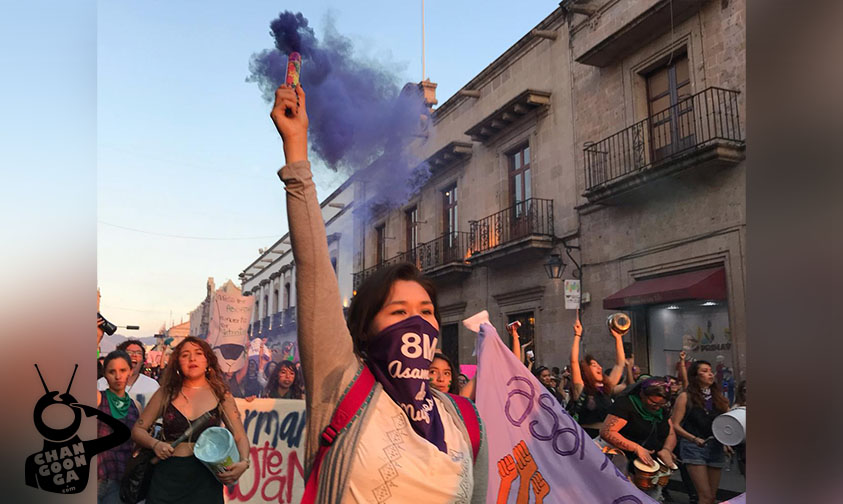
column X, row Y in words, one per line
column 710, row 454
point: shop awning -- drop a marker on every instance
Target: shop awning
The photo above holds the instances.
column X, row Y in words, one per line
column 701, row 284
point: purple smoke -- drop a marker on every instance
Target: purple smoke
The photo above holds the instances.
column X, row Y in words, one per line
column 357, row 110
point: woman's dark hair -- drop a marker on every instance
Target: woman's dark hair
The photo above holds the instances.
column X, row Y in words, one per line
column 740, row 394
column 721, row 404
column 125, row 347
column 372, row 295
column 589, row 381
column 116, row 354
column 538, row 371
column 654, row 387
column 172, row 377
column 454, row 388
column 296, row 389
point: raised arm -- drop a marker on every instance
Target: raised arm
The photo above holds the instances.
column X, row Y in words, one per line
column 620, row 361
column 327, row 355
column 577, row 382
column 516, row 342
column 683, row 370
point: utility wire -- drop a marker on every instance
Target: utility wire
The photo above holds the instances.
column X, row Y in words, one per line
column 275, row 236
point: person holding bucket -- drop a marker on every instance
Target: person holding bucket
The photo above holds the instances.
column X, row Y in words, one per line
column 192, row 386
column 639, row 425
column 693, row 414
column 367, row 379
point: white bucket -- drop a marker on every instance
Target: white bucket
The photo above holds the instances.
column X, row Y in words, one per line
column 730, row 427
column 216, row 449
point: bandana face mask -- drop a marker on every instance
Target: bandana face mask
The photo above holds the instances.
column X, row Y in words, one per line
column 399, row 357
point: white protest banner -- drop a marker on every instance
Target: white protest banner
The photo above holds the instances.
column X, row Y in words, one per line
column 228, row 330
column 537, row 452
column 276, row 431
column 572, row 294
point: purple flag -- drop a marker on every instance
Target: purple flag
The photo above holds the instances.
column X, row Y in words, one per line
column 537, row 452
column 740, row 499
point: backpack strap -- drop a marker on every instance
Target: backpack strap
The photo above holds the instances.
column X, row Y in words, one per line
column 471, row 419
column 358, row 393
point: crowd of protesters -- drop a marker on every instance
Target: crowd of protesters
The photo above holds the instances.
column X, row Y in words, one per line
column 377, row 354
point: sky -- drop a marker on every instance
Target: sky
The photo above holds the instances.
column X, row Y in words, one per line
column 186, row 152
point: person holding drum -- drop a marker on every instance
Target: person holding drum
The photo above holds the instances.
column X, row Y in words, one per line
column 692, row 416
column 638, row 424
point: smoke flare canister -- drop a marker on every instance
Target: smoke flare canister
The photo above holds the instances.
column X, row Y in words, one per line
column 293, row 69
column 619, row 322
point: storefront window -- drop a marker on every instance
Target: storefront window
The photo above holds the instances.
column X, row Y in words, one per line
column 701, row 328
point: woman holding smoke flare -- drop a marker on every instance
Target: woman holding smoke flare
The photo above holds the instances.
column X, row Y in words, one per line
column 388, row 343
column 591, row 390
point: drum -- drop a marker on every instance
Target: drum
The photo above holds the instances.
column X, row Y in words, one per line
column 665, row 471
column 730, row 427
column 645, row 477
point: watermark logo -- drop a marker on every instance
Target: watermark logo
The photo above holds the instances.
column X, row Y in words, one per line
column 63, row 464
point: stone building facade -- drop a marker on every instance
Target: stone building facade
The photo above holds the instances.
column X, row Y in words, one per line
column 611, row 135
column 659, row 89
column 271, row 278
column 500, row 199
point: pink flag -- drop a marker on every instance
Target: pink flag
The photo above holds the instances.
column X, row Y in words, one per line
column 740, row 499
column 537, row 452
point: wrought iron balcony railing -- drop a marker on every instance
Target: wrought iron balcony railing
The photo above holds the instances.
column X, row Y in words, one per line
column 447, row 249
column 277, row 319
column 692, row 123
column 531, row 217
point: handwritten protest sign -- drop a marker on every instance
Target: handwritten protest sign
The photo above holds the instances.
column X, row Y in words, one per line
column 276, row 432
column 537, row 452
column 228, row 330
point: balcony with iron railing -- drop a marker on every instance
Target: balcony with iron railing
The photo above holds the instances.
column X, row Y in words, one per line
column 701, row 131
column 505, row 235
column 444, row 256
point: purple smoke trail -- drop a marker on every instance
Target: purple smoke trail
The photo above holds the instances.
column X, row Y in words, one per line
column 358, row 113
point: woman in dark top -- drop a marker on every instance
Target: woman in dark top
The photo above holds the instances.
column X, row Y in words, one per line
column 114, row 401
column 638, row 424
column 591, row 390
column 284, row 382
column 693, row 413
column 192, row 385
column 251, row 384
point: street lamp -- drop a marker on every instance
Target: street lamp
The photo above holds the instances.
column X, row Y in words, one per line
column 554, row 267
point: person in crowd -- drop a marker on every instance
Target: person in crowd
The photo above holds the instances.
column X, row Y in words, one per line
column 114, row 401
column 284, row 382
column 251, row 384
column 266, row 372
column 546, row 377
column 638, row 424
column 236, row 381
column 392, row 321
column 591, row 390
column 191, row 386
column 692, row 416
column 139, row 386
column 462, row 381
column 100, row 368
column 442, row 374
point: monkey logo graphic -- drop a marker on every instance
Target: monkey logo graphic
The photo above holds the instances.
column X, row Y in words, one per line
column 63, row 464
